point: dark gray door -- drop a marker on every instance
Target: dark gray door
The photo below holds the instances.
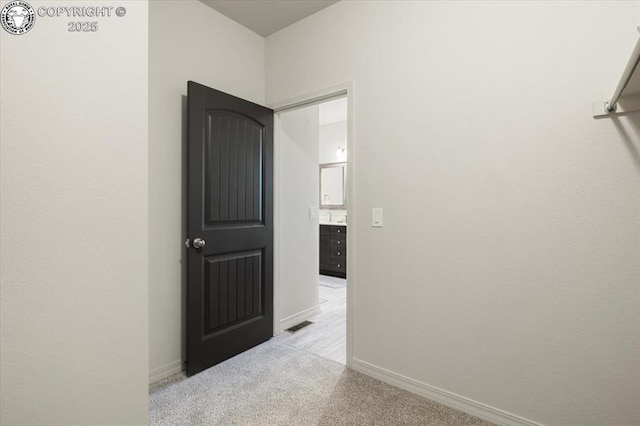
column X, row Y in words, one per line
column 230, row 226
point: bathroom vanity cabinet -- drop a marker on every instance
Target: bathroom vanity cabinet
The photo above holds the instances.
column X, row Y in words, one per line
column 333, row 250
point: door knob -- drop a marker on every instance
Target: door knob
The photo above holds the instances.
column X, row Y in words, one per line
column 199, row 243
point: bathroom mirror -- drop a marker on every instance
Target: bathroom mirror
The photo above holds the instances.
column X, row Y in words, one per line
column 333, row 180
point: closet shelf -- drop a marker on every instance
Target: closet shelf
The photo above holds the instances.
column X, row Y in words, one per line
column 626, row 97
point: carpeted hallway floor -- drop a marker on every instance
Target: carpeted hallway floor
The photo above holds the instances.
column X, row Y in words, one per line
column 276, row 384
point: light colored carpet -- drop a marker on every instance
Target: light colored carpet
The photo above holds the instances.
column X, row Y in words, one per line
column 276, row 384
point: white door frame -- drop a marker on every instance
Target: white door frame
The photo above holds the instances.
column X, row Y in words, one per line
column 346, row 89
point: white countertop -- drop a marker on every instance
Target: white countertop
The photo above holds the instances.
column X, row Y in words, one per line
column 333, row 223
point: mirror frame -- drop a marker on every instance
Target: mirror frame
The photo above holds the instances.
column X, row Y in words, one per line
column 342, row 206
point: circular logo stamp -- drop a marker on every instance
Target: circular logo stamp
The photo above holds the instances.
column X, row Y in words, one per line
column 17, row 17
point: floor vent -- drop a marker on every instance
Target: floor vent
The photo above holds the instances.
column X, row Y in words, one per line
column 297, row 327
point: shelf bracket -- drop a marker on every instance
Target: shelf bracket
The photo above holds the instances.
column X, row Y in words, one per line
column 625, row 105
column 612, row 106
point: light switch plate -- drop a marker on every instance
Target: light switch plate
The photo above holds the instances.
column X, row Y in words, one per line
column 312, row 213
column 376, row 217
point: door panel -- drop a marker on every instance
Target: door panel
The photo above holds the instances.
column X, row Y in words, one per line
column 325, row 251
column 233, row 291
column 229, row 201
column 233, row 151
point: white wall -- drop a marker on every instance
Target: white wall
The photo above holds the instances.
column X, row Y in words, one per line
column 332, row 136
column 215, row 51
column 298, row 235
column 74, row 221
column 333, row 130
column 508, row 268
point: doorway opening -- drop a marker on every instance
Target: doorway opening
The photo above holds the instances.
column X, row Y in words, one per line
column 312, row 227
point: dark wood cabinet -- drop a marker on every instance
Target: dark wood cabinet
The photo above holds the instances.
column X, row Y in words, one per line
column 333, row 250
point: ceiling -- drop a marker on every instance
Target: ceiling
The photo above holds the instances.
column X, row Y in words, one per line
column 267, row 16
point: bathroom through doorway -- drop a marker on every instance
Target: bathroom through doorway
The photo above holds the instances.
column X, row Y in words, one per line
column 312, row 192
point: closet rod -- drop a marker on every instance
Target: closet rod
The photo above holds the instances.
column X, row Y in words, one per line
column 611, row 105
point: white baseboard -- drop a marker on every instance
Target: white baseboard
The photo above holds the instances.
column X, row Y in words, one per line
column 444, row 397
column 165, row 371
column 297, row 318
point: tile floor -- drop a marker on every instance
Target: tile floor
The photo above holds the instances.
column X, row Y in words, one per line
column 327, row 335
